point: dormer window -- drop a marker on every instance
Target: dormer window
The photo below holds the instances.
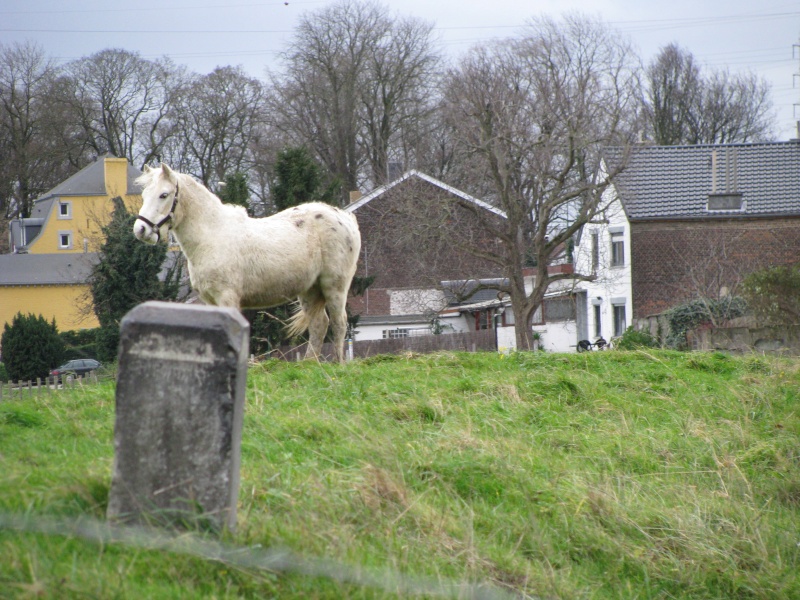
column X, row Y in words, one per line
column 726, row 201
column 65, row 210
column 725, row 194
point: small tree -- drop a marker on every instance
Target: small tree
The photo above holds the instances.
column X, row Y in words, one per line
column 299, row 179
column 126, row 275
column 773, row 294
column 31, row 347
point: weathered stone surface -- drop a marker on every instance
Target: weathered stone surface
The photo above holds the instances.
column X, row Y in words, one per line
column 179, row 407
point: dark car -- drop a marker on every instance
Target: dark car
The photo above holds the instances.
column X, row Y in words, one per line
column 79, row 367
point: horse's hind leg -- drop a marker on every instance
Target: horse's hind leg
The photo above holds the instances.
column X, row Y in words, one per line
column 335, row 302
column 314, row 307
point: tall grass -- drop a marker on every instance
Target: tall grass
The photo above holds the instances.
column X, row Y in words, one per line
column 600, row 475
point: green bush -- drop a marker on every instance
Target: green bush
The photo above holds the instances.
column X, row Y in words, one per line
column 80, row 344
column 699, row 312
column 3, row 373
column 774, row 294
column 31, row 347
column 107, row 341
column 633, row 339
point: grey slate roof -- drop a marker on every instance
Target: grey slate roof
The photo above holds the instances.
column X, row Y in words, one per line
column 674, row 182
column 91, row 181
column 45, row 269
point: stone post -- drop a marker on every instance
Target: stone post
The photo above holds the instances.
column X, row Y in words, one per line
column 179, row 407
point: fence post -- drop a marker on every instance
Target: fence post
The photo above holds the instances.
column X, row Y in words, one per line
column 179, row 404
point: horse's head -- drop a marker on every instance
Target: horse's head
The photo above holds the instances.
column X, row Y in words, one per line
column 159, row 199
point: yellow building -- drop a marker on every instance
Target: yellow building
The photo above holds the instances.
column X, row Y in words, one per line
column 53, row 250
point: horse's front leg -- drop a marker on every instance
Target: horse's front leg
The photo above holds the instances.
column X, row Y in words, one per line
column 226, row 298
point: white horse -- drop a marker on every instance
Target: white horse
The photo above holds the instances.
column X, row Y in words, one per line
column 308, row 252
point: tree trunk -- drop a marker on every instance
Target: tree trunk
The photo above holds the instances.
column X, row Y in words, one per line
column 523, row 326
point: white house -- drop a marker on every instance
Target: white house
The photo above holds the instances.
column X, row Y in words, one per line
column 604, row 306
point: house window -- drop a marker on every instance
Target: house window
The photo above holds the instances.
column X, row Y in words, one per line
column 559, row 309
column 483, row 320
column 595, row 251
column 65, row 210
column 65, row 240
column 620, row 322
column 395, row 334
column 598, row 323
column 617, row 249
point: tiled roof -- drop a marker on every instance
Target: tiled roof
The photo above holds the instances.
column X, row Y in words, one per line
column 58, row 269
column 674, row 182
column 91, row 181
column 45, row 269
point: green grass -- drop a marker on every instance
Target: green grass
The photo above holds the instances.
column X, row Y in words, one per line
column 601, row 475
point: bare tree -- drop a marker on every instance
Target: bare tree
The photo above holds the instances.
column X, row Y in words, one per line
column 354, row 78
column 218, row 118
column 532, row 116
column 685, row 106
column 120, row 100
column 673, row 81
column 401, row 72
column 31, row 162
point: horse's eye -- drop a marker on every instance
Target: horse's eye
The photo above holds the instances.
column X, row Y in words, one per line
column 164, row 195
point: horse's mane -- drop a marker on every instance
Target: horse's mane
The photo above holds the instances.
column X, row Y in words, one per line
column 145, row 178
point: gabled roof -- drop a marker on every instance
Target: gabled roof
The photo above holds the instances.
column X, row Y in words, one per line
column 91, row 181
column 418, row 174
column 45, row 269
column 674, row 182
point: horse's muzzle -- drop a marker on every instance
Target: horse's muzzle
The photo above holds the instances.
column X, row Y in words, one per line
column 145, row 233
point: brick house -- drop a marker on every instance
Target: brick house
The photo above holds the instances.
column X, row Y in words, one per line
column 702, row 217
column 415, row 232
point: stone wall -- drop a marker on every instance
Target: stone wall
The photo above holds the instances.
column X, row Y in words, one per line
column 747, row 339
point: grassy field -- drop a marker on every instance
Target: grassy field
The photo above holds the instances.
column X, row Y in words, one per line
column 600, row 475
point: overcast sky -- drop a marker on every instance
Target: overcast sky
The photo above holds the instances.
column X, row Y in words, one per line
column 748, row 35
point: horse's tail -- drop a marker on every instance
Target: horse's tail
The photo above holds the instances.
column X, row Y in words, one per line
column 301, row 318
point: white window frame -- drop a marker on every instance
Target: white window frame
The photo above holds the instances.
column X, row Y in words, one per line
column 396, row 334
column 618, row 331
column 617, row 250
column 61, row 205
column 68, row 245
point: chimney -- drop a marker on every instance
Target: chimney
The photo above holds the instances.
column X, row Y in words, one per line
column 713, row 171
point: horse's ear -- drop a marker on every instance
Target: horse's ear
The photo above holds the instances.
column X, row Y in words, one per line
column 167, row 171
column 146, row 168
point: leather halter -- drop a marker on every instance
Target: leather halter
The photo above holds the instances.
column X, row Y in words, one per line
column 156, row 227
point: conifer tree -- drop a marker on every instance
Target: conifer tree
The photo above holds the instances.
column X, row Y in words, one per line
column 31, row 347
column 299, row 179
column 236, row 191
column 126, row 274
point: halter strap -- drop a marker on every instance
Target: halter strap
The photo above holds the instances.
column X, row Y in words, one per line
column 157, row 226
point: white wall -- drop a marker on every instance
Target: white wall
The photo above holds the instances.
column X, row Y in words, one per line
column 555, row 337
column 451, row 324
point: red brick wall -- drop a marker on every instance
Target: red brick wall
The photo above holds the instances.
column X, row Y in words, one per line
column 673, row 262
column 415, row 236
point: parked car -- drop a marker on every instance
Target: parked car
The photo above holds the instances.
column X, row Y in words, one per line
column 79, row 367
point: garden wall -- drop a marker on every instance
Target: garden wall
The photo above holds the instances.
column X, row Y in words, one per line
column 784, row 340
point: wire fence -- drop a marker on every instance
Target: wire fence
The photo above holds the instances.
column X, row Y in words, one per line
column 275, row 560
